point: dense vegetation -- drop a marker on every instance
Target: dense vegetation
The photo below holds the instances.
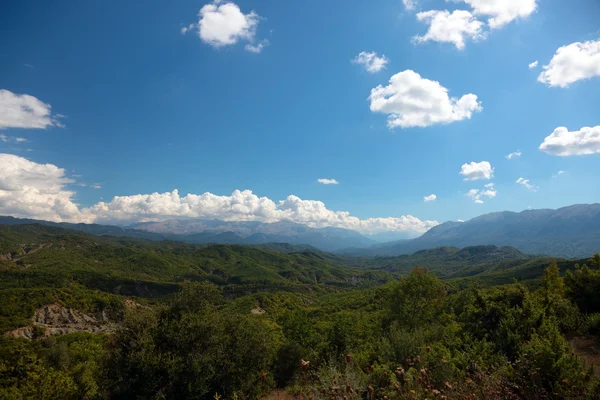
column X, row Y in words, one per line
column 317, row 328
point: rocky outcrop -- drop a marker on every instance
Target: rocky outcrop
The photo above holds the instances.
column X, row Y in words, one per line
column 55, row 319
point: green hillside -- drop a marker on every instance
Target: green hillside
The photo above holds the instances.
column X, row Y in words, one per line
column 88, row 317
column 45, row 263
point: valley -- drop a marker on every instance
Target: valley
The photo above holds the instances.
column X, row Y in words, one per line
column 65, row 290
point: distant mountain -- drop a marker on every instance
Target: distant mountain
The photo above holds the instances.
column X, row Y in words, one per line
column 572, row 231
column 252, row 232
column 219, row 232
column 92, row 229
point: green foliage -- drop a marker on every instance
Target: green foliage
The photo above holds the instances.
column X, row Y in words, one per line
column 192, row 349
column 320, row 328
column 67, row 367
column 417, row 299
column 583, row 286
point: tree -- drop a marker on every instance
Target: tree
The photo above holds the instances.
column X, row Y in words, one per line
column 553, row 283
column 192, row 349
column 417, row 299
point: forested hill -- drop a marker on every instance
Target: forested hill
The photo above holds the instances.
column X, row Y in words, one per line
column 46, row 248
column 572, row 231
column 98, row 317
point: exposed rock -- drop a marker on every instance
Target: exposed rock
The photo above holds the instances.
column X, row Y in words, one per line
column 258, row 311
column 55, row 319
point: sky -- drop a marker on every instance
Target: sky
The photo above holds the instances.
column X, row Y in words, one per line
column 393, row 115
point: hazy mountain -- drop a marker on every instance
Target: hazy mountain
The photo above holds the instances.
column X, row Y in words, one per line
column 252, row 232
column 220, row 232
column 572, row 231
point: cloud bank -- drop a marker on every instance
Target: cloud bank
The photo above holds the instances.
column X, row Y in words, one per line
column 29, row 189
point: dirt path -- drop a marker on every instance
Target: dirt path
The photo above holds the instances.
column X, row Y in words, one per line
column 589, row 350
column 279, row 395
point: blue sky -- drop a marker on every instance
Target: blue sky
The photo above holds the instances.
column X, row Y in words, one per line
column 137, row 107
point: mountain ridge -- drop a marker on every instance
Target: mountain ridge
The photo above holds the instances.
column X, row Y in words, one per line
column 572, row 231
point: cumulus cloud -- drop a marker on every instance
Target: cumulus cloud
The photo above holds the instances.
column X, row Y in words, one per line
column 501, row 12
column 413, row 101
column 477, row 170
column 409, row 5
column 25, row 111
column 245, row 206
column 476, row 194
column 533, row 64
column 224, row 24
column 451, row 27
column 429, row 198
column 561, row 142
column 572, row 63
column 525, row 182
column 371, row 61
column 559, row 173
column 513, row 155
column 326, row 181
column 29, row 189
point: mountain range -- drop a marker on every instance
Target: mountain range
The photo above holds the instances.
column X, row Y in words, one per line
column 572, row 231
column 220, row 232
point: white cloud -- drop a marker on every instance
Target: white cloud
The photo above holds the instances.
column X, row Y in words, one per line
column 501, row 12
column 533, row 64
column 572, row 63
column 477, row 194
column 412, row 101
column 185, row 29
column 12, row 139
column 477, row 170
column 514, row 155
column 431, row 197
column 371, row 61
column 326, row 181
column 25, row 111
column 224, row 24
column 409, row 5
column 96, row 186
column 29, row 189
column 561, row 142
column 246, row 206
column 256, row 48
column 525, row 182
column 559, row 173
column 455, row 27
